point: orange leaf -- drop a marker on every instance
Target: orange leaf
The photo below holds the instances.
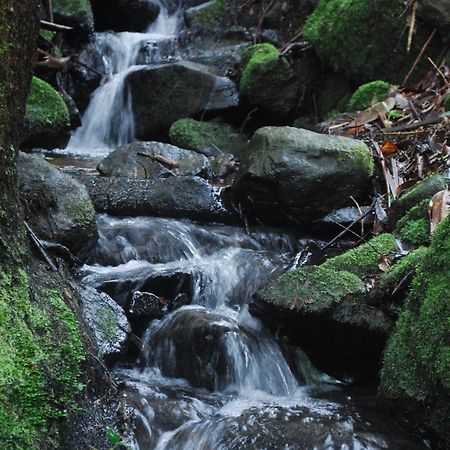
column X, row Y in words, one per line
column 388, row 148
column 355, row 130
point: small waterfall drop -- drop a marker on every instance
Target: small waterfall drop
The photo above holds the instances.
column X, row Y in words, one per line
column 108, row 121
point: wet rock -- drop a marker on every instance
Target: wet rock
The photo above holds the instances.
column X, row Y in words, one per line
column 148, row 160
column 224, row 167
column 205, row 14
column 106, row 320
column 330, row 308
column 268, row 81
column 124, row 15
column 74, row 13
column 163, row 94
column 177, row 197
column 57, row 206
column 344, row 217
column 294, row 176
column 145, row 305
column 208, row 138
column 47, row 122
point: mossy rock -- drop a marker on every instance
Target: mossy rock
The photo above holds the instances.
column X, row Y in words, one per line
column 367, row 94
column 47, row 122
column 76, row 13
column 206, row 15
column 414, row 226
column 366, row 39
column 268, row 81
column 423, row 190
column 40, row 361
column 208, row 138
column 364, row 259
column 415, row 375
column 311, row 290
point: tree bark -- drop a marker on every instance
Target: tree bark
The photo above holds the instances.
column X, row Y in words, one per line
column 18, row 33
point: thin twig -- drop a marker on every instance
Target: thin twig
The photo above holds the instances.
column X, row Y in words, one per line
column 37, row 243
column 54, row 26
column 439, row 71
column 419, row 57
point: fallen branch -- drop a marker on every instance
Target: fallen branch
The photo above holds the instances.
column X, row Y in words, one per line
column 54, row 26
column 164, row 161
column 51, row 62
column 37, row 243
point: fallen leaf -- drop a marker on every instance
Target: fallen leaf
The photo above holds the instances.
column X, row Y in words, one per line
column 388, row 147
column 294, row 302
column 355, row 130
column 384, row 263
column 438, row 208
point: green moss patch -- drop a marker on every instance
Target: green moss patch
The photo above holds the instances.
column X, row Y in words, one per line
column 416, row 364
column 74, row 12
column 40, row 357
column 47, row 117
column 414, row 226
column 363, row 260
column 312, row 289
column 367, row 94
column 208, row 15
column 366, row 39
column 268, row 80
column 206, row 137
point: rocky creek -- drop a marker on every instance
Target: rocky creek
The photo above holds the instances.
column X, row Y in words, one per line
column 182, row 266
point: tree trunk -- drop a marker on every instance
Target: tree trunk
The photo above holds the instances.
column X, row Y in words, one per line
column 18, row 33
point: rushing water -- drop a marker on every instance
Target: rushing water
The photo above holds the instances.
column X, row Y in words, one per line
column 209, row 376
column 108, row 120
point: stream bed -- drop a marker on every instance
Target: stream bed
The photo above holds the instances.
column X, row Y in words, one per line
column 209, row 375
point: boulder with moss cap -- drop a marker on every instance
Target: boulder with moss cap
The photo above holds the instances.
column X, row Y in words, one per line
column 47, row 122
column 74, row 13
column 294, row 176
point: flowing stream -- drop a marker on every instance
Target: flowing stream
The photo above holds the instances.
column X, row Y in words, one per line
column 208, row 375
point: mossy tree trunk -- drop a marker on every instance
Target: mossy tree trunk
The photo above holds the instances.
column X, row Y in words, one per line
column 18, row 33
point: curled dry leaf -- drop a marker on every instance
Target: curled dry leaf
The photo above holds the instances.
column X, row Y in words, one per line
column 384, row 263
column 438, row 208
column 388, row 147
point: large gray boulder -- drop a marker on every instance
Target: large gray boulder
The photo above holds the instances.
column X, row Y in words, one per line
column 178, row 197
column 57, row 206
column 147, row 160
column 163, row 94
column 294, row 176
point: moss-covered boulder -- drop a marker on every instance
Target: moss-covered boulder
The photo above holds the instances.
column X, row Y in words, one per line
column 208, row 138
column 415, row 375
column 57, row 207
column 206, row 14
column 268, row 81
column 40, row 360
column 368, row 94
column 366, row 39
column 75, row 13
column 47, row 122
column 294, row 176
column 163, row 94
column 414, row 227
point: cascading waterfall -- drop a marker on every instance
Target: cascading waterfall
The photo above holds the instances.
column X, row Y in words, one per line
column 209, row 376
column 108, row 121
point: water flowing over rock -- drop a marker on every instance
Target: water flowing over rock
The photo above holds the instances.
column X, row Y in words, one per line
column 58, row 207
column 163, row 94
column 293, row 176
column 148, row 160
column 183, row 197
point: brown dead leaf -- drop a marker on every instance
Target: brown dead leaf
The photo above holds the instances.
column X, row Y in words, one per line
column 293, row 304
column 439, row 208
column 388, row 147
column 384, row 263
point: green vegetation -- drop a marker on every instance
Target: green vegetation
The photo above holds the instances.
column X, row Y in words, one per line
column 414, row 226
column 416, row 365
column 365, row 39
column 446, row 103
column 40, row 357
column 205, row 136
column 268, row 80
column 367, row 94
column 76, row 12
column 363, row 260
